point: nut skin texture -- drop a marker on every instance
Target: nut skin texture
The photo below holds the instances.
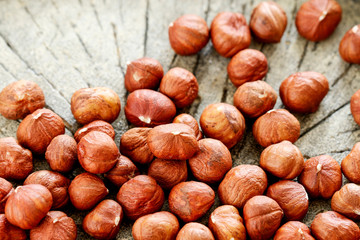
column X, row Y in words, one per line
column 123, row 171
column 191, row 122
column 191, row 200
column 253, row 99
column 6, row 189
column 211, row 162
column 246, row 66
column 15, row 161
column 283, row 160
column 316, row 20
column 226, row 223
column 103, row 222
column 37, row 130
column 9, row 231
column 28, row 205
column 148, row 108
column 276, row 126
column 143, row 73
column 140, row 196
column 86, row 190
column 160, row 225
column 293, row 230
column 350, row 165
column 303, row 92
column 230, row 33
column 262, row 217
column 223, row 122
column 242, row 183
column 349, row 45
column 97, row 125
column 355, row 106
column 268, row 22
column 188, row 34
column 195, row 231
column 180, row 86
column 347, row 201
column 99, row 103
column 55, row 226
column 332, row 226
column 321, row 177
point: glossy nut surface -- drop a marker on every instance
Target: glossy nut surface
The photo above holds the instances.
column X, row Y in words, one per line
column 349, row 46
column 350, row 165
column 97, row 125
column 191, row 122
column 195, row 231
column 293, row 230
column 346, row 201
column 6, row 189
column 355, row 106
column 9, row 231
column 123, row 171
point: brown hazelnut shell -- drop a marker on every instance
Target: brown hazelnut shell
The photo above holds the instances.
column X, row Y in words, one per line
column 97, row 125
column 350, row 165
column 6, row 189
column 293, row 230
column 191, row 122
column 9, row 231
column 195, row 231
column 123, row 171
column 349, row 45
column 355, row 106
column 347, row 201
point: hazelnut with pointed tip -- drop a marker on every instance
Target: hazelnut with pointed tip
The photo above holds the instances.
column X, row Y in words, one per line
column 346, row 201
column 195, row 231
column 349, row 46
column 97, row 125
column 191, row 122
column 293, row 230
column 350, row 165
column 355, row 106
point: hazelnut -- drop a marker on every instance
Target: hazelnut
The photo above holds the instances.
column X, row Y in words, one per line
column 303, row 91
column 56, row 225
column 148, row 108
column 350, row 165
column 143, row 73
column 191, row 122
column 103, row 222
column 346, row 201
column 321, row 176
column 195, row 231
column 191, row 200
column 6, row 189
column 246, row 66
column 262, row 217
column 211, row 162
column 99, row 103
column 242, row 183
column 38, row 129
column 140, row 196
column 15, row 161
column 28, row 205
column 9, row 232
column 123, row 171
column 188, row 34
column 172, row 141
column 253, row 99
column 230, row 33
column 223, row 122
column 276, row 126
column 160, row 225
column 86, row 190
column 332, row 225
column 293, row 230
column 349, row 45
column 97, row 125
column 18, row 99
column 97, row 152
column 180, row 86
column 225, row 222
column 316, row 20
column 283, row 160
column 355, row 106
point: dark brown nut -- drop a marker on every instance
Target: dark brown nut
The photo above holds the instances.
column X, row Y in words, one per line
column 191, row 122
column 230, row 33
column 262, row 217
column 97, row 152
column 140, row 196
column 123, row 171
column 143, row 73
column 321, row 177
column 86, row 190
column 350, row 165
column 349, row 46
column 283, row 160
column 103, row 222
column 211, row 162
column 316, row 20
column 172, row 141
column 15, row 161
column 242, row 183
column 6, row 189
column 168, row 173
column 223, row 122
column 28, row 205
column 97, row 125
column 9, row 231
column 268, row 22
column 55, row 226
column 293, row 230
column 191, row 200
column 188, row 34
column 148, row 108
column 246, row 66
column 195, row 231
column 355, row 106
column 292, row 198
column 276, row 126
column 18, row 99
column 37, row 130
column 332, row 226
column 346, row 201
column 180, row 86
column 160, row 225
column 226, row 223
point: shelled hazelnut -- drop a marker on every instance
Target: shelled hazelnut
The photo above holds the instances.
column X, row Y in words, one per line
column 97, row 125
column 123, row 171
column 293, row 230
column 195, row 231
column 6, row 189
column 346, row 201
column 350, row 165
column 355, row 106
column 191, row 122
column 9, row 231
column 349, row 45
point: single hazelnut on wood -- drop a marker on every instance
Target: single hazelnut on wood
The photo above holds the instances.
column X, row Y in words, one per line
column 195, row 231
column 349, row 46
column 293, row 230
column 38, row 129
column 355, row 106
column 316, row 20
column 346, row 201
column 6, row 189
column 191, row 122
column 97, row 125
column 9, row 231
column 350, row 165
column 123, row 171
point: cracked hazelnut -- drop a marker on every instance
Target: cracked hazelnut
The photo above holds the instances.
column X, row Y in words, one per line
column 293, row 230
column 350, row 165
column 6, row 189
column 123, row 171
column 38, row 129
column 321, row 177
column 355, row 106
column 346, row 201
column 349, row 46
column 97, row 125
column 188, row 34
column 18, row 99
column 191, row 122
column 195, row 231
column 316, row 20
column 9, row 231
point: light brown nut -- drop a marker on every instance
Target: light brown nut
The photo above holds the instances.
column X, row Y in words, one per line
column 195, row 231
column 350, row 165
column 355, row 106
column 123, row 171
column 191, row 122
column 9, row 231
column 293, row 230
column 6, row 189
column 349, row 46
column 97, row 125
column 346, row 201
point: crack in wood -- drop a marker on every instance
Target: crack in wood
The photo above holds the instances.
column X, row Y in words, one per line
column 96, row 15
column 7, row 70
column 78, row 70
column 343, row 74
column 173, row 60
column 55, row 5
column 83, row 45
column 113, row 25
column 68, row 126
column 225, row 90
column 146, row 27
column 30, row 14
column 293, row 14
column 196, row 64
column 315, row 46
column 303, row 55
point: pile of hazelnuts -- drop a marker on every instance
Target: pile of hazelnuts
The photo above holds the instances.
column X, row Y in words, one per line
column 177, row 143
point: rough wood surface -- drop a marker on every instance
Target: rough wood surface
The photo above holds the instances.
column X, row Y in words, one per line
column 66, row 45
